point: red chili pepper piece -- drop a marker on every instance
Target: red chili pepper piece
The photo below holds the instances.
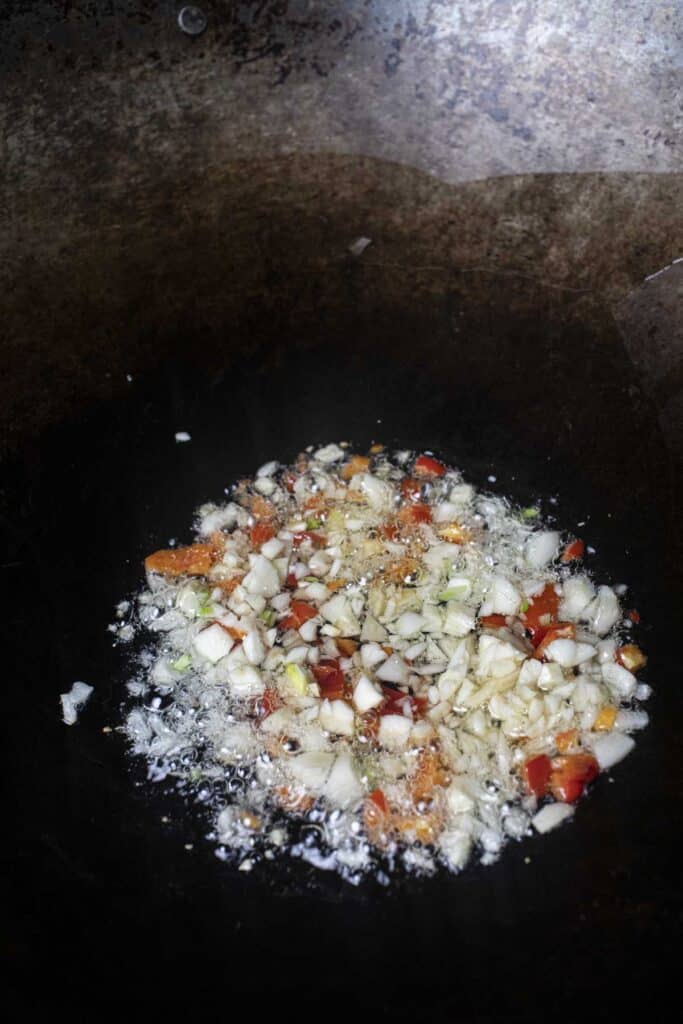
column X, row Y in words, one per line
column 574, row 551
column 425, row 465
column 536, row 774
column 541, row 613
column 493, row 621
column 329, row 678
column 299, row 612
column 570, row 774
column 260, row 533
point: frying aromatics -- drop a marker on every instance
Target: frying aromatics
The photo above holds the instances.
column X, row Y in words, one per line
column 366, row 663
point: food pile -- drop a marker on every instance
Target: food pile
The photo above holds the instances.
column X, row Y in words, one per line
column 364, row 662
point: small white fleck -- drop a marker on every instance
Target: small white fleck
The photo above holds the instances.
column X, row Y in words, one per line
column 107, row 728
column 74, row 701
column 582, row 523
column 590, row 550
column 246, row 865
column 359, row 245
column 182, row 436
column 492, row 479
column 527, row 860
column 129, row 378
column 189, row 846
column 164, row 819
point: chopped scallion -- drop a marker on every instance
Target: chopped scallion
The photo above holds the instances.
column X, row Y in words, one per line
column 454, row 593
column 297, row 678
column 182, row 663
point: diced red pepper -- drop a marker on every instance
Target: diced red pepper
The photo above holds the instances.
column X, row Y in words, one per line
column 261, row 508
column 633, row 615
column 299, row 612
column 570, row 774
column 291, row 582
column 267, row 703
column 430, row 774
column 417, row 512
column 536, row 774
column 316, row 538
column 493, row 621
column 195, row 560
column 379, row 800
column 564, row 741
column 260, row 533
column 356, row 464
column 394, row 703
column 574, row 551
column 289, row 479
column 559, row 631
column 541, row 613
column 425, row 465
column 410, row 489
column 390, row 531
column 329, row 678
column 376, row 815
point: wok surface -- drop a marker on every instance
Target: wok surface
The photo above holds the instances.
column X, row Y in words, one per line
column 96, row 878
column 181, row 209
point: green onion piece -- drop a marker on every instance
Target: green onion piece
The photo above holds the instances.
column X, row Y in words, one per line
column 268, row 615
column 310, row 579
column 195, row 774
column 529, row 513
column 205, row 609
column 453, row 593
column 297, row 678
column 524, row 606
column 313, row 524
column 182, row 663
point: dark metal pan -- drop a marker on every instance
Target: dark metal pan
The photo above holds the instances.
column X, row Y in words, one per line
column 175, row 255
column 98, row 876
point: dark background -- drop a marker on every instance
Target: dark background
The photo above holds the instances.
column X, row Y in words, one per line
column 179, row 212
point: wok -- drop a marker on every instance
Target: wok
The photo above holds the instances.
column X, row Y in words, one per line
column 505, row 324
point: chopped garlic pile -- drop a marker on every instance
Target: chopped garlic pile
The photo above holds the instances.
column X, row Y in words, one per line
column 365, row 663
